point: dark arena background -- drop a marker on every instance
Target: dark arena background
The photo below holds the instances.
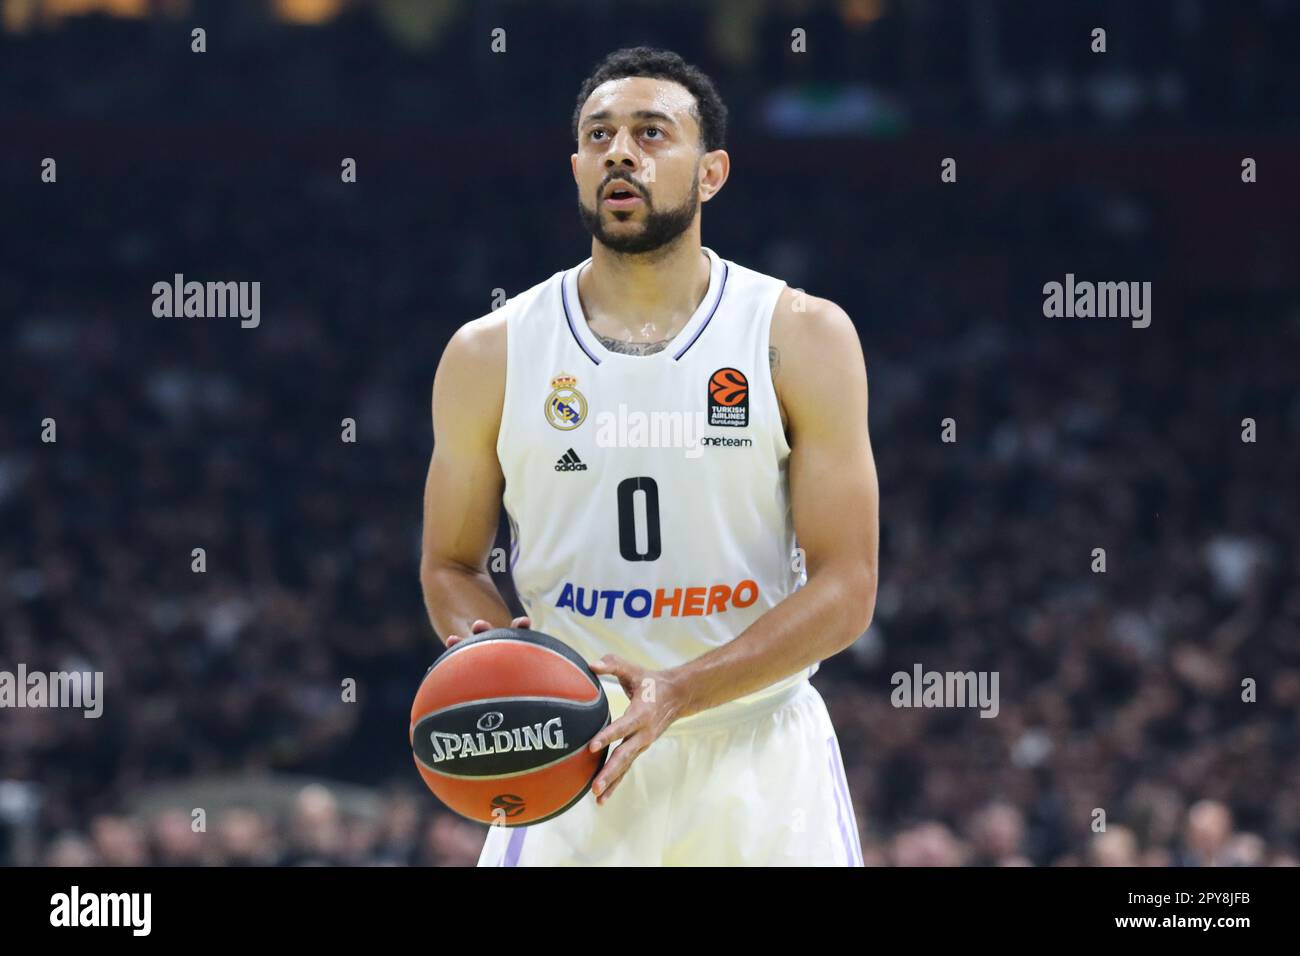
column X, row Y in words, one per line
column 1101, row 511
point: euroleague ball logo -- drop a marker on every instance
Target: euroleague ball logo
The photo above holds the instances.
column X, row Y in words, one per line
column 566, row 407
column 729, row 398
column 491, row 720
column 507, row 805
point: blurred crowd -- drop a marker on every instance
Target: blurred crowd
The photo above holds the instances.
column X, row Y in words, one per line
column 850, row 66
column 1122, row 738
column 316, row 831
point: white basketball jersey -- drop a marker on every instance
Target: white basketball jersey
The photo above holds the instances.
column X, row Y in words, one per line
column 648, row 495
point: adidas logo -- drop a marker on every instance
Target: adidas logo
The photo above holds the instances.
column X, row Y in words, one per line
column 570, row 461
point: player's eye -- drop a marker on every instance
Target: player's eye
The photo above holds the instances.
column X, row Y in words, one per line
column 659, row 134
column 595, row 133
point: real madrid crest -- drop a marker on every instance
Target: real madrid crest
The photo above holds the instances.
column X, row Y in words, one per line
column 565, row 406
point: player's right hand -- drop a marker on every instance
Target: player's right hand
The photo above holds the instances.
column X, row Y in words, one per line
column 479, row 626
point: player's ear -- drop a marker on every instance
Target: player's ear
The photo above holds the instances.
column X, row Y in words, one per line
column 573, row 165
column 715, row 167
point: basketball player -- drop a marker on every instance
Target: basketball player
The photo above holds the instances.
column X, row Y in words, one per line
column 668, row 560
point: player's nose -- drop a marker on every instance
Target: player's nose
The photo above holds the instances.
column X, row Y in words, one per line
column 623, row 151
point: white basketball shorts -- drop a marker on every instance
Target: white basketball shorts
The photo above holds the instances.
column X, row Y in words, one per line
column 764, row 787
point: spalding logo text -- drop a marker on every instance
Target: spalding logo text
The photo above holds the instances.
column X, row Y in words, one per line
column 547, row 736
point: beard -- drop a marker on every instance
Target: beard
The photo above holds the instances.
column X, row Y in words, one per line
column 659, row 228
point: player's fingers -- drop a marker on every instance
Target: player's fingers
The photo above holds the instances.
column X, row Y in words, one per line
column 479, row 626
column 613, row 664
column 524, row 622
column 616, row 766
column 452, row 639
column 626, row 683
column 609, row 792
column 624, row 727
column 602, row 785
column 603, row 794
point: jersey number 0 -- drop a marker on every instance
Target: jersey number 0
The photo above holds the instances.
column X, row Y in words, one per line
column 627, row 489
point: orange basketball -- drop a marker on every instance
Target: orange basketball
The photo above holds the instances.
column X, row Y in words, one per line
column 500, row 727
column 728, row 386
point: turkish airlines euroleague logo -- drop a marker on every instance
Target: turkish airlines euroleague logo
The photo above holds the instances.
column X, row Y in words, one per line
column 729, row 398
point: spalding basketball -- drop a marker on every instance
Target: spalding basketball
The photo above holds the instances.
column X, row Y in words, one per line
column 501, row 724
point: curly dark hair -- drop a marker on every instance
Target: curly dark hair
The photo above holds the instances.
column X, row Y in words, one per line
column 709, row 110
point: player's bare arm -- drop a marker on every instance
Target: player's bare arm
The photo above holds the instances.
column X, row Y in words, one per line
column 821, row 381
column 462, row 492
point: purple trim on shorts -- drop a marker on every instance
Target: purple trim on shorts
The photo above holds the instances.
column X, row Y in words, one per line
column 514, row 847
column 837, row 768
column 839, row 807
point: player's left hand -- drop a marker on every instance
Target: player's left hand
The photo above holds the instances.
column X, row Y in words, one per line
column 655, row 700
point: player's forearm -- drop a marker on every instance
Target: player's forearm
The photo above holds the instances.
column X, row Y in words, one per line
column 816, row 622
column 455, row 596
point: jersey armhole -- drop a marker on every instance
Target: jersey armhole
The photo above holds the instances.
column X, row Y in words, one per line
column 769, row 315
column 505, row 394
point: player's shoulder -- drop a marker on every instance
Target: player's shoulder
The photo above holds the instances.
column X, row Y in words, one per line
column 792, row 305
column 816, row 356
column 480, row 341
column 810, row 322
column 483, row 339
column 537, row 300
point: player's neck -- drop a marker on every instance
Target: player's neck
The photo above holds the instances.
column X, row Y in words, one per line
column 644, row 297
